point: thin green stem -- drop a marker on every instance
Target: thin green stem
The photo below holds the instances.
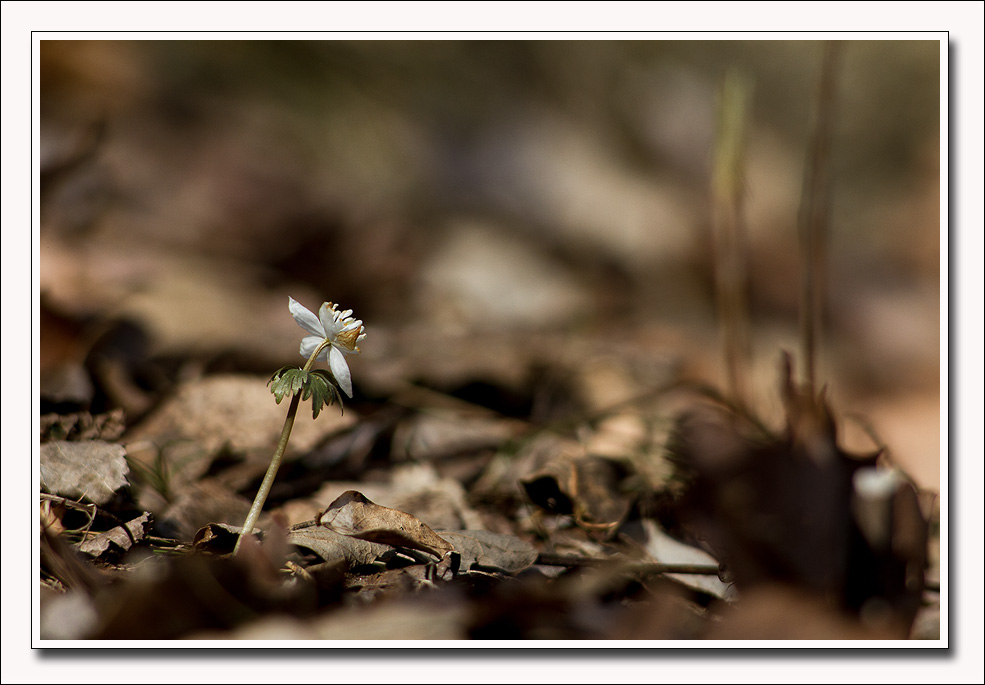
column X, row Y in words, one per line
column 268, row 479
column 314, row 355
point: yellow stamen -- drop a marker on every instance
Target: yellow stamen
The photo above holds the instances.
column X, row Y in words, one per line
column 347, row 339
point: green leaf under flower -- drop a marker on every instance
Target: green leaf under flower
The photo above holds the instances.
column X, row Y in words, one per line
column 318, row 385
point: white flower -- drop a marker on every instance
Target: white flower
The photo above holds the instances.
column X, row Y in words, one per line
column 338, row 328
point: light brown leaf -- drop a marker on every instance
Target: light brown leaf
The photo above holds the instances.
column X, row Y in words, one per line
column 354, row 515
column 332, row 546
column 117, row 537
column 439, row 433
column 484, row 549
column 233, row 414
column 93, row 469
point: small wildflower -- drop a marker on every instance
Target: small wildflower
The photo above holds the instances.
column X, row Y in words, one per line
column 339, row 329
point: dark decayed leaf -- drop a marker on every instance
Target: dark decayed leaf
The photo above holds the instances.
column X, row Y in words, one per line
column 485, row 550
column 83, row 426
column 587, row 486
column 206, row 501
column 354, row 515
column 117, row 538
column 778, row 508
column 781, row 612
column 67, row 383
column 218, row 538
column 61, row 561
column 168, row 598
column 333, row 547
column 93, row 470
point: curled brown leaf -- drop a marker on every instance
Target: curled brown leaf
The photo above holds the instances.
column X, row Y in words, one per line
column 354, row 515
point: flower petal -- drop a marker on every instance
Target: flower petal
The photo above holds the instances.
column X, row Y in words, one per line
column 308, row 345
column 340, row 369
column 328, row 317
column 305, row 318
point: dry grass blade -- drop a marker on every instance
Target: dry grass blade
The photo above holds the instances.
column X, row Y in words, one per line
column 728, row 189
column 813, row 217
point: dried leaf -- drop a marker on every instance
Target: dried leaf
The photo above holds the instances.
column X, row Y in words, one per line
column 587, row 486
column 83, row 426
column 117, row 538
column 440, row 502
column 51, row 515
column 487, row 278
column 502, row 476
column 62, row 562
column 486, row 550
column 170, row 597
column 217, row 538
column 332, row 546
column 233, row 410
column 668, row 615
column 778, row 508
column 222, row 413
column 198, row 504
column 66, row 383
column 93, row 470
column 443, row 433
column 354, row 515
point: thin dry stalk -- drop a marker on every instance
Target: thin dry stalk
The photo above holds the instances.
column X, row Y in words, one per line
column 728, row 192
column 814, row 215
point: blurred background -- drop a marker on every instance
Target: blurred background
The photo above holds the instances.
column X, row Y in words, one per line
column 483, row 204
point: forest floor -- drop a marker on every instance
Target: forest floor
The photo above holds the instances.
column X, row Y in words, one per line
column 544, row 440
